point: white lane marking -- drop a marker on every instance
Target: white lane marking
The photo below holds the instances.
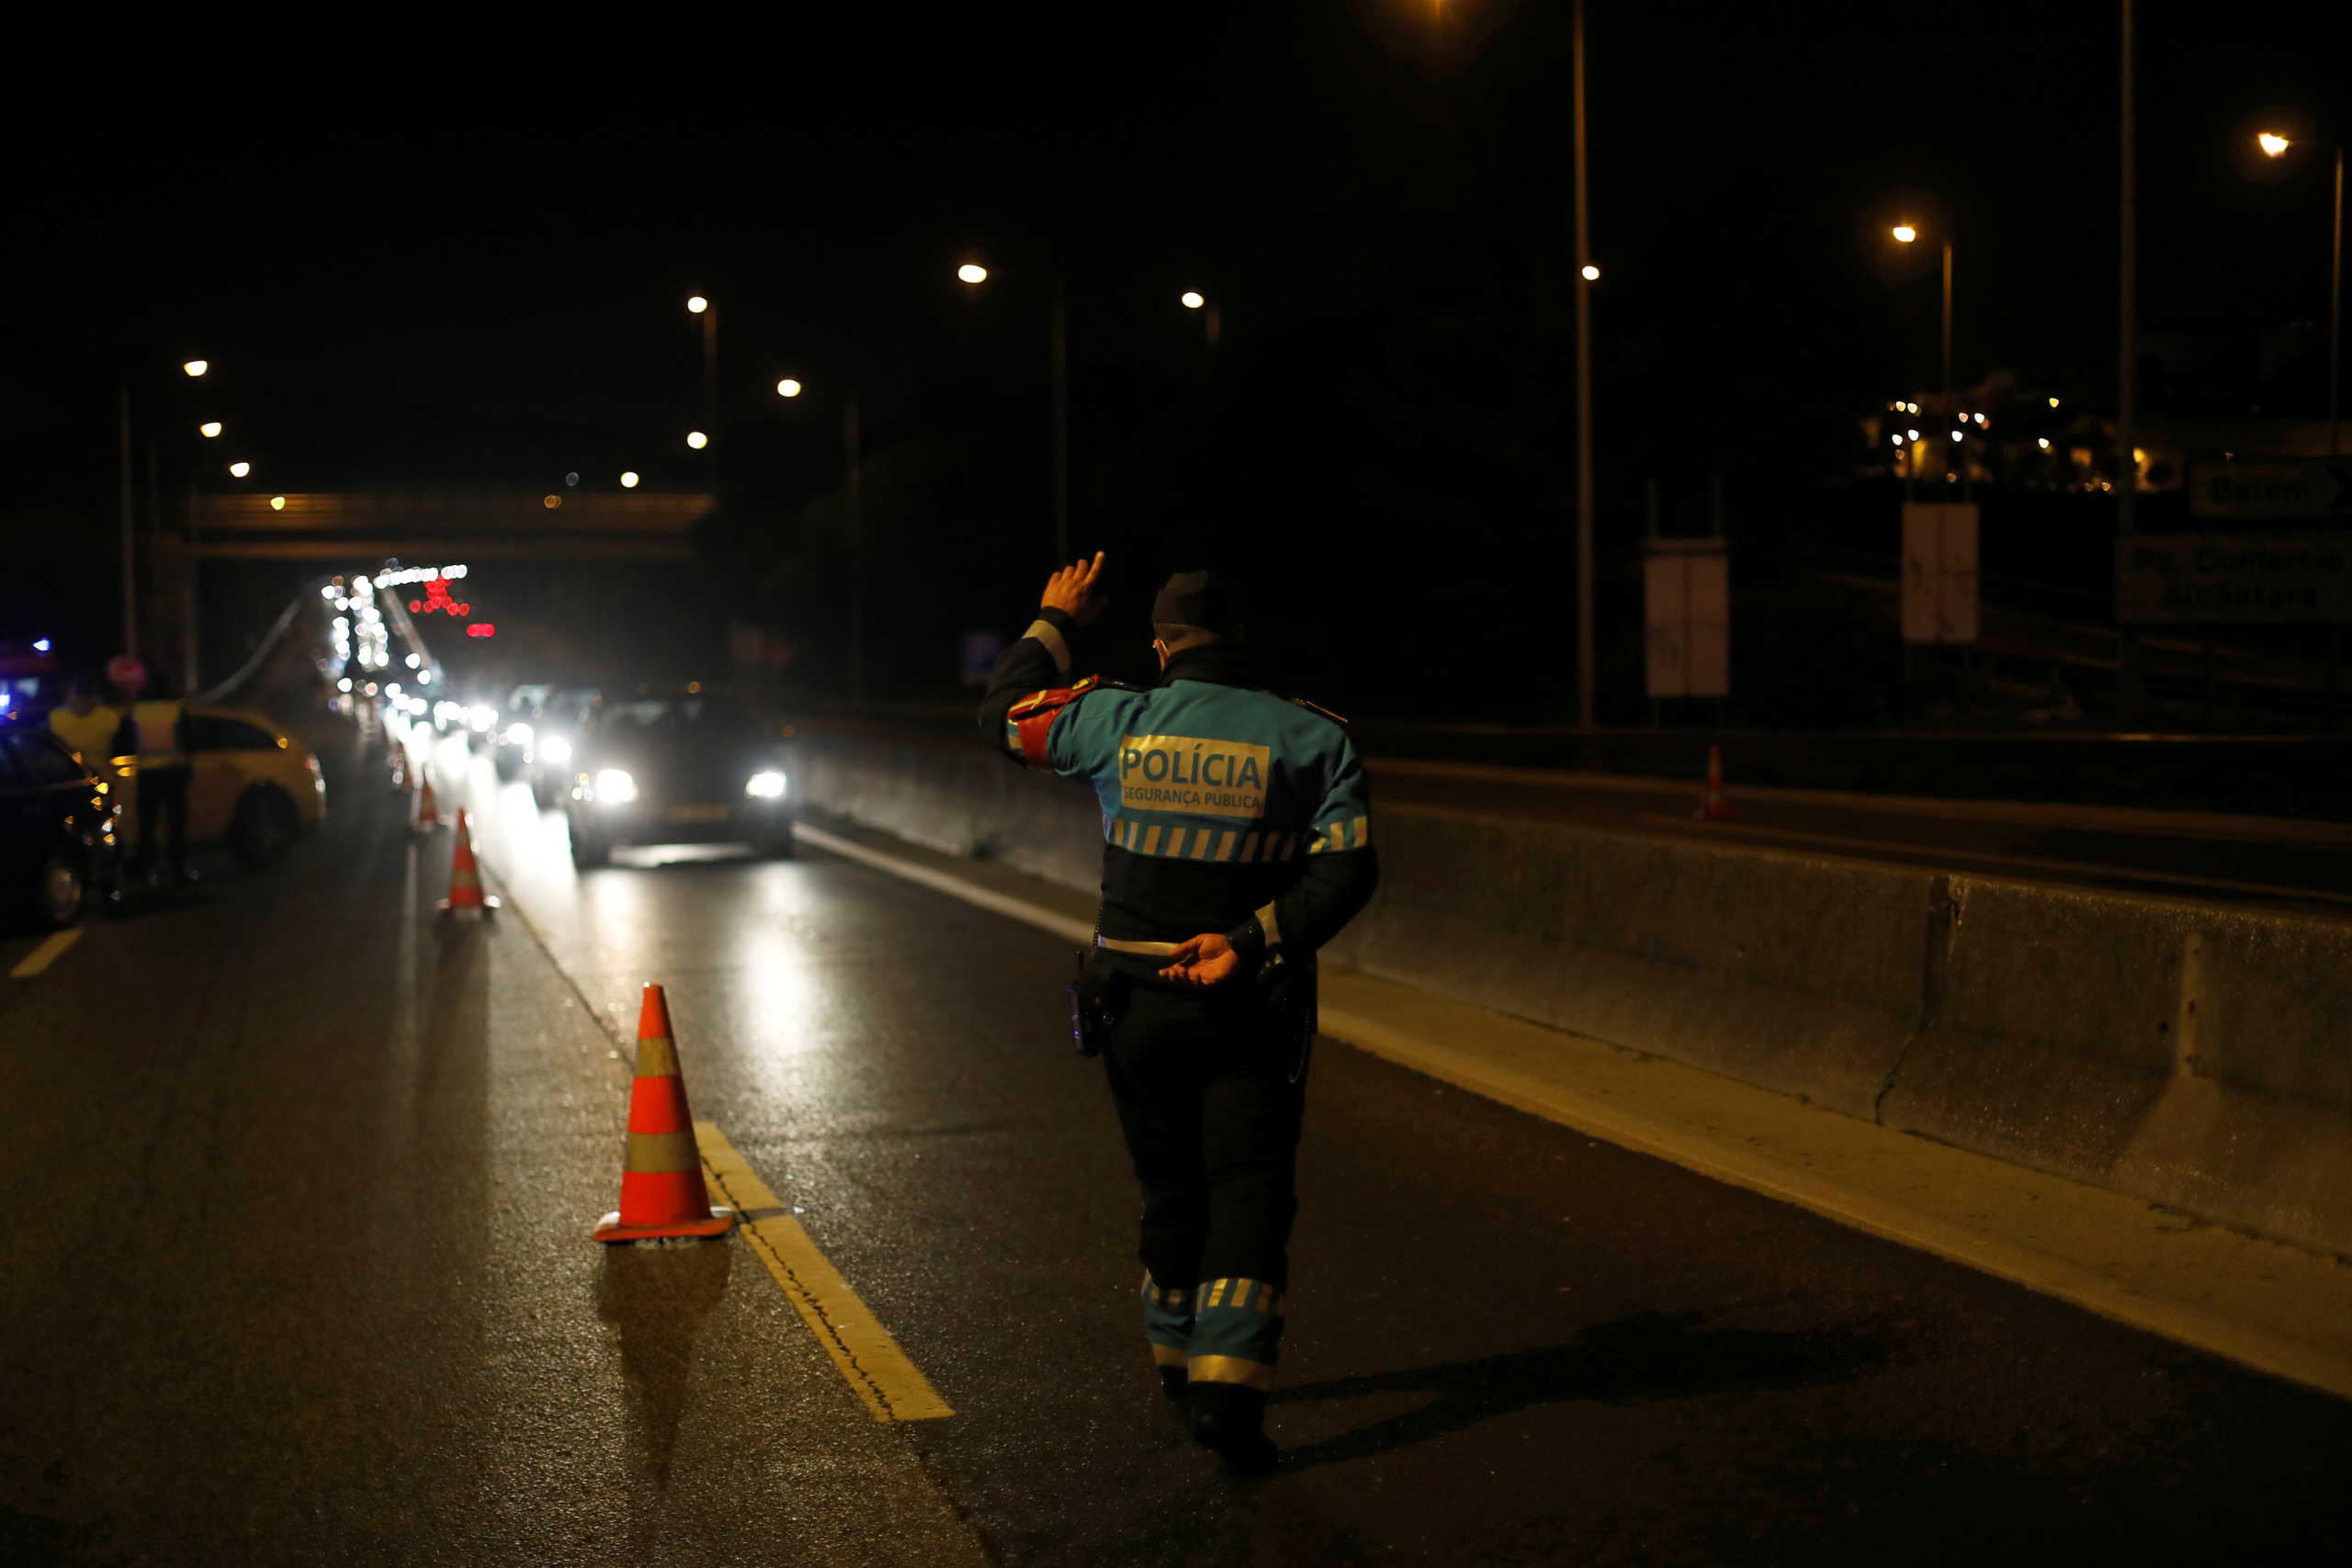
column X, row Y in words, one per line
column 52, row 947
column 954, row 886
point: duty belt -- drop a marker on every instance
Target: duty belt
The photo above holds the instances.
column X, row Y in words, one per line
column 1148, row 949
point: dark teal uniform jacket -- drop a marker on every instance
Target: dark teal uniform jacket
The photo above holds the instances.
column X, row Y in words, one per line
column 1225, row 806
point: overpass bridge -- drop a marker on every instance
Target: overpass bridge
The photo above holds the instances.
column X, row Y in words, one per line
column 362, row 526
column 349, row 531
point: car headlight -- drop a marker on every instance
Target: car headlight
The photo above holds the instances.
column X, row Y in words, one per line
column 764, row 786
column 556, row 748
column 482, row 718
column 518, row 735
column 614, row 787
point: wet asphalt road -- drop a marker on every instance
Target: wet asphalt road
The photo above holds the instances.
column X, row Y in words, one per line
column 300, row 1182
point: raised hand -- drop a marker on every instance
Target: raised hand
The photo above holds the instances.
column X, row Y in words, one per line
column 1071, row 589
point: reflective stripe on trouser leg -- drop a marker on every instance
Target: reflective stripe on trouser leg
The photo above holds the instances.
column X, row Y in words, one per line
column 1167, row 1322
column 1236, row 1333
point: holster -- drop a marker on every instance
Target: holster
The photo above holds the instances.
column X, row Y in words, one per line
column 1097, row 998
column 1285, row 990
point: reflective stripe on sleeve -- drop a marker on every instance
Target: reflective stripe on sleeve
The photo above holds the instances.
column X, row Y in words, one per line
column 1050, row 635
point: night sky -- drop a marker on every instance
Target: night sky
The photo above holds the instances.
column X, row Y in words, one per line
column 462, row 258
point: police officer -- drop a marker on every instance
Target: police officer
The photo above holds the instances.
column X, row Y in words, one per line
column 165, row 772
column 1237, row 839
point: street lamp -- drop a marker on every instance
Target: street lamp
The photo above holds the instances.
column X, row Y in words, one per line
column 628, row 481
column 854, row 492
column 2275, row 145
column 1905, row 233
column 1193, row 299
column 697, row 440
column 1588, row 662
column 195, row 367
column 241, row 468
column 208, row 429
column 1057, row 365
column 278, row 503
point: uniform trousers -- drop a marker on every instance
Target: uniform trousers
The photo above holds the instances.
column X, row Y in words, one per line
column 1210, row 1086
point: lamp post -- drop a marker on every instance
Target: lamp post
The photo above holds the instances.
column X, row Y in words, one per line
column 972, row 274
column 194, row 369
column 854, row 492
column 1587, row 274
column 1908, row 233
column 2276, row 146
column 1193, row 299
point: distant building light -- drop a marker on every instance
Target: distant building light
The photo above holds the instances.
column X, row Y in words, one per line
column 1191, row 299
column 551, row 502
column 1589, row 272
column 40, row 645
column 697, row 440
column 628, row 481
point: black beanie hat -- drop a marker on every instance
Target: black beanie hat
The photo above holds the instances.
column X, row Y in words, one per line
column 1197, row 599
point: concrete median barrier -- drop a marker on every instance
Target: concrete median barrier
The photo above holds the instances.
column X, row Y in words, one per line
column 2195, row 1055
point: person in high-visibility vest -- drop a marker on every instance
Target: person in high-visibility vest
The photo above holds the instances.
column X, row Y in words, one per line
column 87, row 727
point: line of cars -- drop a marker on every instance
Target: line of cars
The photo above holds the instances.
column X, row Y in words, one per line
column 66, row 818
column 648, row 762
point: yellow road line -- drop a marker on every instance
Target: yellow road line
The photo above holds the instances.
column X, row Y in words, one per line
column 869, row 1359
column 52, row 947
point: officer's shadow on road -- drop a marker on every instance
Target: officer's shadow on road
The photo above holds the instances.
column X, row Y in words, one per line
column 656, row 1295
column 1647, row 1356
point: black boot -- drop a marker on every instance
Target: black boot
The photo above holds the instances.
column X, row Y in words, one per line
column 1230, row 1419
column 1171, row 1383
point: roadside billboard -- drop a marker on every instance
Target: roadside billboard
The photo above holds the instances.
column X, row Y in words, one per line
column 1686, row 615
column 1940, row 598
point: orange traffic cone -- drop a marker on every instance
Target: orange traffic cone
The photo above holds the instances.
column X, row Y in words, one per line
column 427, row 814
column 662, row 1185
column 1715, row 806
column 464, row 876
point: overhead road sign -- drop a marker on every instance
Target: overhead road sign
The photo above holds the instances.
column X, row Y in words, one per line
column 2233, row 577
column 2272, row 487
